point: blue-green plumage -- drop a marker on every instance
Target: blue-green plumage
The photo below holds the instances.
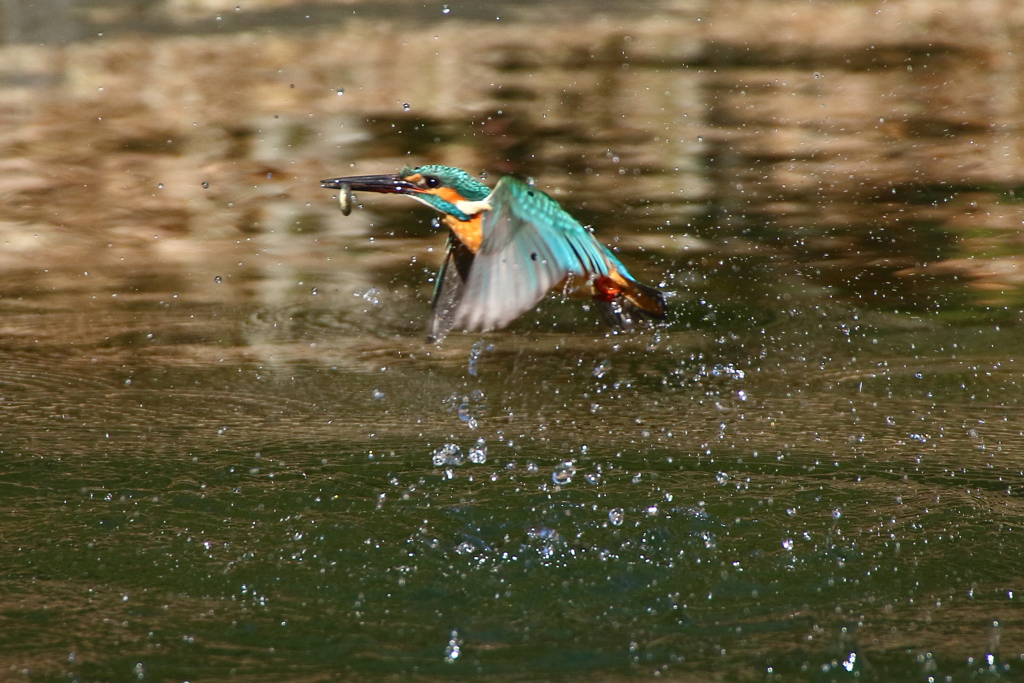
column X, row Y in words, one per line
column 507, row 249
column 465, row 185
column 528, row 246
column 449, row 176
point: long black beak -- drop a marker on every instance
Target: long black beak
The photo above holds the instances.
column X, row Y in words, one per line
column 385, row 184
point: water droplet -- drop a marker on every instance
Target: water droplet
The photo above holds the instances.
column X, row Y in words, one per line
column 652, row 511
column 787, row 543
column 206, row 185
column 543, row 533
column 463, row 412
column 722, row 478
column 601, row 369
column 593, row 478
column 453, row 650
column 818, row 74
column 445, row 9
column 890, row 420
column 405, row 106
column 377, row 393
column 218, row 279
column 474, row 356
column 478, row 453
column 616, row 516
column 159, row 186
column 531, row 467
column 791, row 512
column 340, row 92
column 837, row 513
column 563, row 473
column 448, row 454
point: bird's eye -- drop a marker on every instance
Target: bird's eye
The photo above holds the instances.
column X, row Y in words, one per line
column 431, row 181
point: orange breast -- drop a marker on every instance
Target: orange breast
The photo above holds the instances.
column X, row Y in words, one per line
column 468, row 232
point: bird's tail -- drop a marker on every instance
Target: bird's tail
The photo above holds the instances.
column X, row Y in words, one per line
column 648, row 299
column 633, row 303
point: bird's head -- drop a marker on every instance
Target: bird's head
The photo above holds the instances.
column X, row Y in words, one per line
column 450, row 190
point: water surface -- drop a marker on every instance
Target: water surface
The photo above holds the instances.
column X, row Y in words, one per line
column 226, row 452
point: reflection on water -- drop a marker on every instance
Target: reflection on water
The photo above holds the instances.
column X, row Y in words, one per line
column 874, row 160
column 225, row 449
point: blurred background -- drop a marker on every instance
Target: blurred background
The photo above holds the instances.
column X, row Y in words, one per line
column 226, row 452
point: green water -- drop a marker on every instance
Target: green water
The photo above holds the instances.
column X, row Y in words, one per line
column 820, row 508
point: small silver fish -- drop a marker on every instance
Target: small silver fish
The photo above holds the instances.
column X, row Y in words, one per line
column 345, row 198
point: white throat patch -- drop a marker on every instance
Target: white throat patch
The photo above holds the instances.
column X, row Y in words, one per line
column 473, row 208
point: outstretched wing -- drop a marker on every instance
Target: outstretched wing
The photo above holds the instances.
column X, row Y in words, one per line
column 529, row 245
column 449, row 288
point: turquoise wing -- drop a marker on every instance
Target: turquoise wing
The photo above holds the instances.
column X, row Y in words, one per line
column 529, row 245
column 449, row 288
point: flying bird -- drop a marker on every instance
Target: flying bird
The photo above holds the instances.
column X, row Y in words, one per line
column 507, row 248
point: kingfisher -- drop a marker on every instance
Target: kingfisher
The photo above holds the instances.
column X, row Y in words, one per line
column 507, row 248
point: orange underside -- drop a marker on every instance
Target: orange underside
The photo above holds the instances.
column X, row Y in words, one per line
column 615, row 285
column 469, row 232
column 606, row 289
column 601, row 288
